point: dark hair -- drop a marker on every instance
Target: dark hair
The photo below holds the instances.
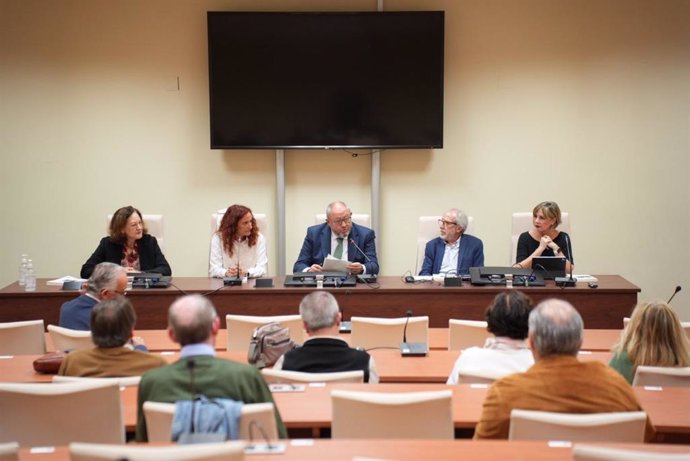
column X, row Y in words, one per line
column 508, row 315
column 119, row 222
column 112, row 322
column 228, row 227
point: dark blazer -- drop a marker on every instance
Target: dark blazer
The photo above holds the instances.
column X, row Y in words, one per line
column 317, row 245
column 151, row 257
column 471, row 254
column 76, row 314
column 326, row 355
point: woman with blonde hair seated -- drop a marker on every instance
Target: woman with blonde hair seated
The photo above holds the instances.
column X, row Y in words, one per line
column 654, row 337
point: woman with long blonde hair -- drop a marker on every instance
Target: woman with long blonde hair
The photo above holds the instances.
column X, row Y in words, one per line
column 654, row 337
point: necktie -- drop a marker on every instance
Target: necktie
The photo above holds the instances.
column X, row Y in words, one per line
column 339, row 249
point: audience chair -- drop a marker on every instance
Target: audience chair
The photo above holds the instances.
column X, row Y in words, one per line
column 627, row 426
column 583, row 452
column 66, row 339
column 380, row 415
column 522, row 222
column 159, row 418
column 9, row 451
column 225, row 451
column 376, row 332
column 122, row 381
column 357, row 218
column 272, row 376
column 41, row 414
column 26, row 337
column 466, row 333
column 241, row 327
column 428, row 229
column 477, row 378
column 662, row 376
column 154, row 224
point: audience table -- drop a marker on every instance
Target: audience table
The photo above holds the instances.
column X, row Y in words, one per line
column 602, row 307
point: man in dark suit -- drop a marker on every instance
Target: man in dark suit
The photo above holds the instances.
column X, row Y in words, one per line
column 454, row 251
column 108, row 281
column 342, row 239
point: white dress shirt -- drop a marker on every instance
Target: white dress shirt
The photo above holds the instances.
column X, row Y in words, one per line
column 252, row 259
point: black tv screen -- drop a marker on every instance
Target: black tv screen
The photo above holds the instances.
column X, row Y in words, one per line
column 326, row 80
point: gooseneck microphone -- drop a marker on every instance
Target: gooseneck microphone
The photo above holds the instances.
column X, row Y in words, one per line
column 193, row 436
column 192, row 388
column 352, row 241
column 678, row 288
column 411, row 349
column 570, row 255
column 366, row 278
column 567, row 281
column 407, row 320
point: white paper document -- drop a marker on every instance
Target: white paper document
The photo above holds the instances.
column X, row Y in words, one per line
column 331, row 264
column 61, row 280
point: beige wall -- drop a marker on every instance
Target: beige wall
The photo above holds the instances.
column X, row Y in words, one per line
column 585, row 103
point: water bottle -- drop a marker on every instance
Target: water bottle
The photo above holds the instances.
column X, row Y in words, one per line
column 22, row 269
column 29, row 277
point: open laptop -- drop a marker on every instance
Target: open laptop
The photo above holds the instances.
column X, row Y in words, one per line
column 550, row 267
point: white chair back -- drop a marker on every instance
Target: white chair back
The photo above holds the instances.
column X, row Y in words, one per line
column 9, row 451
column 372, row 332
column 358, row 218
column 522, row 222
column 628, row 426
column 583, row 452
column 122, row 381
column 27, row 337
column 154, row 224
column 428, row 229
column 67, row 339
column 380, row 415
column 261, row 222
column 41, row 414
column 272, row 376
column 466, row 333
column 662, row 376
column 241, row 327
column 476, row 378
column 222, row 451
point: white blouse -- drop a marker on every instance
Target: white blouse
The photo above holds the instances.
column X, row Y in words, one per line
column 251, row 259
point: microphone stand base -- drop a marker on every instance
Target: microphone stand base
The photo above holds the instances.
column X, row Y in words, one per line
column 565, row 281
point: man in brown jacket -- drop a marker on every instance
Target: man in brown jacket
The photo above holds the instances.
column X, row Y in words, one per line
column 558, row 381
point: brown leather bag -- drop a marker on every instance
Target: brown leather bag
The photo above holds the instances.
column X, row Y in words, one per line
column 49, row 363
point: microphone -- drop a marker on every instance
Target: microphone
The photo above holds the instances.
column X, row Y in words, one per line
column 678, row 288
column 411, row 349
column 567, row 281
column 236, row 280
column 527, row 279
column 352, row 241
column 366, row 278
column 192, row 387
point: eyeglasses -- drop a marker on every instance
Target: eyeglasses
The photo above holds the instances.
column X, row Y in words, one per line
column 340, row 222
column 444, row 223
column 121, row 292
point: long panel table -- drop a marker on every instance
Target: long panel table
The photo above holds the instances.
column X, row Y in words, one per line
column 602, row 307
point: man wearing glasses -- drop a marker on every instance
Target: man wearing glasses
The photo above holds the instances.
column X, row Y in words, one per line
column 108, row 281
column 454, row 252
column 342, row 239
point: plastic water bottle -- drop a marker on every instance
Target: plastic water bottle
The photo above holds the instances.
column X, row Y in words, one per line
column 22, row 269
column 29, row 277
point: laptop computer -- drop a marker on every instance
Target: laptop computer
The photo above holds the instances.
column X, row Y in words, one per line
column 550, row 267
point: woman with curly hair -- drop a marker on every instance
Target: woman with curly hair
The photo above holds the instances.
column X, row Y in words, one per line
column 238, row 249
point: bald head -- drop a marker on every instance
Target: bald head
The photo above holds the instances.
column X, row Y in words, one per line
column 555, row 328
column 192, row 319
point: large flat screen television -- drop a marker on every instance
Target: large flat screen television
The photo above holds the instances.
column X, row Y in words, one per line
column 326, row 80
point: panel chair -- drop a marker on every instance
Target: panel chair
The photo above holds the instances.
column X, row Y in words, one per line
column 522, row 222
column 41, row 414
column 261, row 222
column 9, row 451
column 225, row 451
column 380, row 415
column 121, row 381
column 357, row 218
column 428, row 229
column 662, row 376
column 584, row 452
column 67, row 339
column 27, row 337
column 154, row 225
column 159, row 418
column 626, row 426
column 376, row 332
column 466, row 333
column 241, row 327
column 272, row 376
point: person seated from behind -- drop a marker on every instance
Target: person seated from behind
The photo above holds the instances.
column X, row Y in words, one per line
column 653, row 337
column 324, row 351
column 507, row 352
column 340, row 238
column 194, row 324
column 544, row 239
column 112, row 331
column 557, row 382
column 454, row 252
column 238, row 249
column 108, row 281
column 128, row 245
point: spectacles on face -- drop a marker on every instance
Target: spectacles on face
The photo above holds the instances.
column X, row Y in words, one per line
column 340, row 222
column 121, row 292
column 444, row 223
